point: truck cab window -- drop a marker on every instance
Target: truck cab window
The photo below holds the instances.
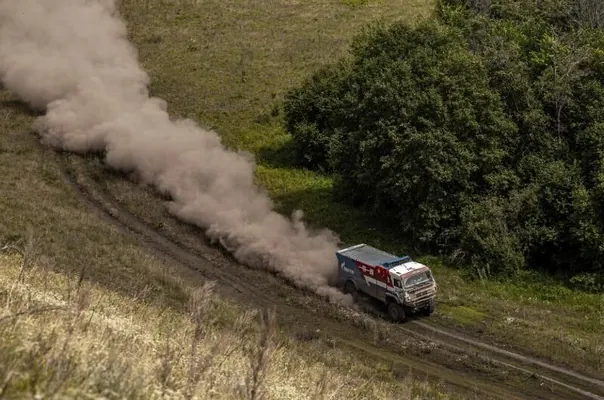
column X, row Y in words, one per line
column 397, row 283
column 418, row 278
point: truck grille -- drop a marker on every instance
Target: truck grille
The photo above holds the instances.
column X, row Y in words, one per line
column 422, row 298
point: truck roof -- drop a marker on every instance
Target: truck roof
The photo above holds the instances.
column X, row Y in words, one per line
column 371, row 256
column 407, row 268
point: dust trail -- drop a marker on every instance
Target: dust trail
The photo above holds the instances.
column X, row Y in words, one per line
column 72, row 59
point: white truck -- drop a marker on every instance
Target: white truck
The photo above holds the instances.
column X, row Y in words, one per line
column 403, row 285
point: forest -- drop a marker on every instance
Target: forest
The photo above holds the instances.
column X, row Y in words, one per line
column 479, row 132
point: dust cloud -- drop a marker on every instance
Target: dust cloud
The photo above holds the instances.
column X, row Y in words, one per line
column 72, row 60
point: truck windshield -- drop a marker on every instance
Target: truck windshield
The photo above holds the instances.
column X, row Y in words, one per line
column 418, row 278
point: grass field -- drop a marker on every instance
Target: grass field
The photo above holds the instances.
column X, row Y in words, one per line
column 106, row 336
column 84, row 312
column 227, row 65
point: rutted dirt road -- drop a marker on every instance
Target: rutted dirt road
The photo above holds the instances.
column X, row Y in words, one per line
column 483, row 372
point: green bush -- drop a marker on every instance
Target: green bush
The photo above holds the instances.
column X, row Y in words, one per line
column 479, row 133
column 309, row 113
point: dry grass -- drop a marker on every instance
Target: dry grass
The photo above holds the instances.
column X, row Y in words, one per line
column 226, row 63
column 136, row 327
column 64, row 337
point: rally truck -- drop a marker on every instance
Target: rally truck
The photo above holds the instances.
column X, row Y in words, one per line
column 404, row 286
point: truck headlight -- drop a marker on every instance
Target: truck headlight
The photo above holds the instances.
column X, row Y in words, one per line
column 407, row 297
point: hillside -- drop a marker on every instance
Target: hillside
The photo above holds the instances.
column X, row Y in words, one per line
column 73, row 339
column 228, row 65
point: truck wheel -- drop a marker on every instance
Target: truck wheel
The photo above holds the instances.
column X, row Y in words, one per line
column 396, row 312
column 430, row 309
column 349, row 288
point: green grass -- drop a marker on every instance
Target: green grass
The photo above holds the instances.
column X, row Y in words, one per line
column 228, row 65
column 463, row 315
column 148, row 297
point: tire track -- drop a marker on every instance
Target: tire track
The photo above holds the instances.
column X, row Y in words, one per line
column 574, row 382
column 591, row 388
column 244, row 291
column 509, row 354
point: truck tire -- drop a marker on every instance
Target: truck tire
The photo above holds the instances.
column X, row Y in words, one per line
column 396, row 312
column 350, row 288
column 429, row 309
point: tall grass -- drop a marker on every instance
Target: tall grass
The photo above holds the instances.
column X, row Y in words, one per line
column 63, row 337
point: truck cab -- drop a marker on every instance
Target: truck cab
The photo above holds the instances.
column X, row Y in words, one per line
column 415, row 285
column 403, row 285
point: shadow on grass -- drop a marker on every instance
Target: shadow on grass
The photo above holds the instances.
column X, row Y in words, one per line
column 353, row 225
column 19, row 107
column 322, row 209
column 279, row 156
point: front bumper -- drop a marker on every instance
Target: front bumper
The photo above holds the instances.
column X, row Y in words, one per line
column 420, row 304
column 422, row 301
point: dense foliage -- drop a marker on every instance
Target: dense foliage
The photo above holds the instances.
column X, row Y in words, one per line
column 480, row 131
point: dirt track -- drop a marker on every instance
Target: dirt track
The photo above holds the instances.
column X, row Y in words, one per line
column 483, row 372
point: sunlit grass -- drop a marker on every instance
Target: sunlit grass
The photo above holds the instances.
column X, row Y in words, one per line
column 64, row 337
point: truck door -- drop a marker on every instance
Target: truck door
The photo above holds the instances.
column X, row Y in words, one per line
column 397, row 285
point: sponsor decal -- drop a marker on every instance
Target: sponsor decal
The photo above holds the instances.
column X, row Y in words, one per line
column 343, row 266
column 375, row 275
